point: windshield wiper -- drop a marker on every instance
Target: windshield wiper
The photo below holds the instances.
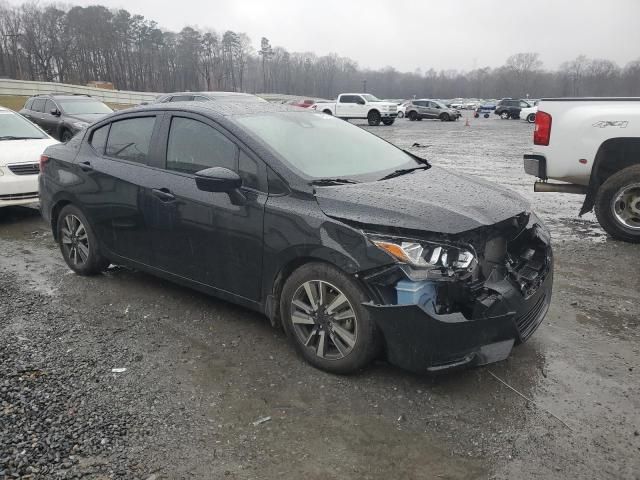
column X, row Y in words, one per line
column 12, row 137
column 404, row 171
column 331, row 181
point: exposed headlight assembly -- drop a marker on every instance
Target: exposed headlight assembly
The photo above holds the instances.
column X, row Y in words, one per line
column 434, row 257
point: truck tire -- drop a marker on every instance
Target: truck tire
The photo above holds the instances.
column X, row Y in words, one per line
column 413, row 115
column 328, row 112
column 388, row 121
column 444, row 117
column 618, row 205
column 374, row 118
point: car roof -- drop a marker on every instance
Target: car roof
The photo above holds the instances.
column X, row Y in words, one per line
column 211, row 94
column 64, row 96
column 224, row 109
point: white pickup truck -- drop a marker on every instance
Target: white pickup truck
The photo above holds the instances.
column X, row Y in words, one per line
column 593, row 146
column 360, row 105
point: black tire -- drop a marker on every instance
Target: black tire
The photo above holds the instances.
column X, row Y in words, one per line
column 531, row 118
column 374, row 118
column 419, row 119
column 89, row 262
column 388, row 121
column 366, row 342
column 445, row 117
column 328, row 112
column 66, row 135
column 400, row 114
column 413, row 115
column 486, row 115
column 476, row 115
column 505, row 115
column 607, row 203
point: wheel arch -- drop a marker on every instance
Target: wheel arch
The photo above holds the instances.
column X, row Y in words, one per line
column 613, row 155
column 373, row 110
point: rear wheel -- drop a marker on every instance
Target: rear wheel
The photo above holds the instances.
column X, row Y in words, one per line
column 374, row 118
column 388, row 121
column 323, row 316
column 531, row 118
column 401, row 114
column 505, row 115
column 617, row 205
column 79, row 245
column 328, row 112
column 66, row 135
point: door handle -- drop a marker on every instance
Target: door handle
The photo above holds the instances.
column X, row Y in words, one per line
column 85, row 166
column 163, row 194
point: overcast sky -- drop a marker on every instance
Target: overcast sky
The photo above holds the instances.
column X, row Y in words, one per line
column 410, row 34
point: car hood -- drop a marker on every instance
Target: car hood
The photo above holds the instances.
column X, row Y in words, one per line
column 87, row 117
column 23, row 151
column 434, row 200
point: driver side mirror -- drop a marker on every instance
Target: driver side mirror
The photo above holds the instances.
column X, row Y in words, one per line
column 55, row 112
column 218, row 179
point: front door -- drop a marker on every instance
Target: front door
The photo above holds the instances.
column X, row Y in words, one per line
column 209, row 238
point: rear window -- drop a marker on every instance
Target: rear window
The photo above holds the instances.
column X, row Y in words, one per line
column 130, row 139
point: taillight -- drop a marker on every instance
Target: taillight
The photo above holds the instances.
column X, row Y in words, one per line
column 43, row 159
column 542, row 132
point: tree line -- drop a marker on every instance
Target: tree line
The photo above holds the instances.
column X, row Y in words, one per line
column 81, row 44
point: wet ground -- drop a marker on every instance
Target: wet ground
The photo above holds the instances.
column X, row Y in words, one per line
column 200, row 372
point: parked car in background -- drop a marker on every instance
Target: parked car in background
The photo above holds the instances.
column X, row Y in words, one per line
column 63, row 115
column 484, row 110
column 303, row 103
column 360, row 105
column 209, row 96
column 427, row 108
column 593, row 145
column 21, row 144
column 401, row 103
column 357, row 248
column 510, row 108
column 528, row 114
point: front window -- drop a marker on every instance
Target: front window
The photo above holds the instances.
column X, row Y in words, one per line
column 439, row 104
column 321, row 146
column 16, row 127
column 370, row 98
column 83, row 107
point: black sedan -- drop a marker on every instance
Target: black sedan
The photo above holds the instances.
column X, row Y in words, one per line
column 355, row 247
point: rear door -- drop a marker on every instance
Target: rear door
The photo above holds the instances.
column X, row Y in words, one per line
column 203, row 236
column 37, row 110
column 114, row 166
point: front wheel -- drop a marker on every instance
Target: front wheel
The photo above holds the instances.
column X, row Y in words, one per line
column 324, row 318
column 444, row 117
column 618, row 205
column 413, row 115
column 531, row 118
column 400, row 114
column 374, row 118
column 388, row 121
column 79, row 245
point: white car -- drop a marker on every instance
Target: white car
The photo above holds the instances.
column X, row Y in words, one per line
column 21, row 144
column 528, row 114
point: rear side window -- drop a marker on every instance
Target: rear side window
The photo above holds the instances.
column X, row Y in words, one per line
column 194, row 146
column 99, row 138
column 348, row 99
column 130, row 139
column 28, row 104
column 38, row 105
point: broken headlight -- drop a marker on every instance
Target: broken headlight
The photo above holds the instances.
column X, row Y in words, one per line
column 426, row 255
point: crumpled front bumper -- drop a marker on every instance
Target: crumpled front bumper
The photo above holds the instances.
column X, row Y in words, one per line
column 420, row 340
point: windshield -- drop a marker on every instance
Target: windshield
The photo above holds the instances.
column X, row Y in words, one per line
column 14, row 126
column 322, row 146
column 370, row 98
column 83, row 107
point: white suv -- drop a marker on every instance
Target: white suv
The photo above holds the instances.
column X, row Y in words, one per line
column 21, row 144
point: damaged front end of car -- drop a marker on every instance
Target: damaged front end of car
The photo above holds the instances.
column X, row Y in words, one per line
column 460, row 300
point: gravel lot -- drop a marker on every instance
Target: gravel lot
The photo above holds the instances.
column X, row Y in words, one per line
column 200, row 372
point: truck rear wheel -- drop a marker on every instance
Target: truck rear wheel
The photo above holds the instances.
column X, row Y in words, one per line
column 374, row 118
column 328, row 112
column 618, row 205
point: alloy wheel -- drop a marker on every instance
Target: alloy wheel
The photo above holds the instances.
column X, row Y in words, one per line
column 75, row 240
column 324, row 320
column 626, row 206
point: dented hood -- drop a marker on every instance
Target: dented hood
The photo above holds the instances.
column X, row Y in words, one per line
column 433, row 200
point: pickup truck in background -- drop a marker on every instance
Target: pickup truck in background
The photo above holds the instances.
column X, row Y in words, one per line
column 593, row 146
column 360, row 105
